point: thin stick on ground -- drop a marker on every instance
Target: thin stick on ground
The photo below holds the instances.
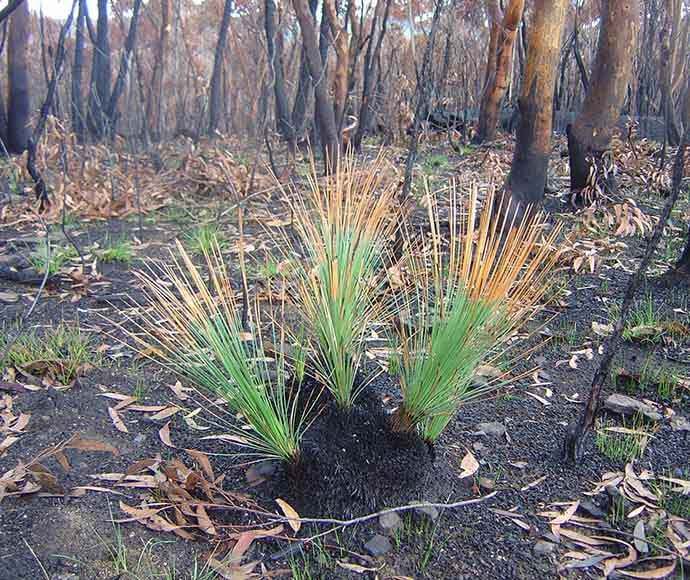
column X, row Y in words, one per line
column 579, row 428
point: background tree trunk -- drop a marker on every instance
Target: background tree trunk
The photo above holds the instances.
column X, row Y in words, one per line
column 371, row 60
column 214, row 107
column 499, row 66
column 274, row 46
column 590, row 136
column 77, row 104
column 154, row 103
column 325, row 113
column 19, row 102
column 527, row 177
column 99, row 93
column 340, row 84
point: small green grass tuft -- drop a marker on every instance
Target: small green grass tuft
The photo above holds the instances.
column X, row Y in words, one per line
column 63, row 351
column 202, row 239
column 119, row 250
column 52, row 255
column 625, row 443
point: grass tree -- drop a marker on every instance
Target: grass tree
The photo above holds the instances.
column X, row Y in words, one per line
column 194, row 326
column 342, row 223
column 466, row 296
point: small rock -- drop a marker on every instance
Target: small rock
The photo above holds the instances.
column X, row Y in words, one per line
column 679, row 423
column 428, row 512
column 624, row 405
column 477, row 446
column 487, row 484
column 544, row 548
column 492, row 429
column 378, row 545
column 390, row 523
column 593, row 509
column 612, row 490
column 139, row 439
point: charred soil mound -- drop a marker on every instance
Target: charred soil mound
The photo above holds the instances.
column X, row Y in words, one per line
column 353, row 463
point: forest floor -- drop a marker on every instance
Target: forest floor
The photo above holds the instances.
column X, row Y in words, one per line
column 101, row 449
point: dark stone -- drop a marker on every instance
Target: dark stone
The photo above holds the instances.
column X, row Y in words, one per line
column 378, row 545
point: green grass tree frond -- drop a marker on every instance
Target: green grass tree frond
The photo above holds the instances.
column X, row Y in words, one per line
column 342, row 222
column 194, row 327
column 467, row 294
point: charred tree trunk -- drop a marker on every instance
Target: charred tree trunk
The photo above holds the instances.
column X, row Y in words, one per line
column 499, row 66
column 371, row 60
column 19, row 102
column 77, row 104
column 527, row 177
column 301, row 104
column 326, row 116
column 214, row 107
column 124, row 68
column 274, row 46
column 340, row 84
column 99, row 93
column 589, row 138
column 154, row 103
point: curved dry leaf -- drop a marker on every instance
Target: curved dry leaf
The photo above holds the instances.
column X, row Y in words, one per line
column 290, row 513
column 356, row 568
column 117, row 420
column 469, row 465
column 86, row 444
column 233, row 570
column 164, row 434
column 663, row 572
column 204, row 521
column 165, row 413
column 203, row 460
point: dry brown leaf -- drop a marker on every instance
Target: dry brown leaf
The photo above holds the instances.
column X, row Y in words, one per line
column 203, row 460
column 356, row 568
column 233, row 570
column 165, row 413
column 164, row 434
column 7, row 442
column 290, row 513
column 117, row 421
column 663, row 572
column 533, row 484
column 86, row 444
column 204, row 521
column 179, row 391
column 469, row 465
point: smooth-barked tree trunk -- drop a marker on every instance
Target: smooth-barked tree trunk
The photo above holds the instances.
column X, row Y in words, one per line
column 214, row 107
column 527, row 178
column 499, row 65
column 589, row 138
column 19, row 84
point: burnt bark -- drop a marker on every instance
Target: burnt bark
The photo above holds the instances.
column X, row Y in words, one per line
column 124, row 68
column 154, row 103
column 216, row 78
column 340, row 83
column 499, row 66
column 7, row 11
column 299, row 109
column 101, row 70
column 589, row 138
column 274, row 46
column 325, row 113
column 369, row 78
column 19, row 83
column 527, row 178
column 77, row 101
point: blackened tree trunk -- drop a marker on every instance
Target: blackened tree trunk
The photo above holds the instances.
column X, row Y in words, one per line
column 326, row 116
column 77, row 104
column 342, row 53
column 214, row 107
column 371, row 59
column 154, row 103
column 527, row 177
column 19, row 102
column 123, row 69
column 99, row 93
column 299, row 109
column 274, row 46
column 589, row 138
column 499, row 66
column 683, row 263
